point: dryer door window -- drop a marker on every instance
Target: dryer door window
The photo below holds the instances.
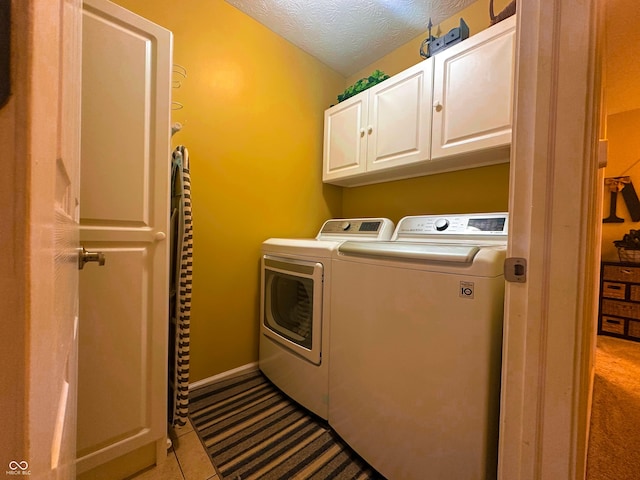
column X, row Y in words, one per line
column 292, row 306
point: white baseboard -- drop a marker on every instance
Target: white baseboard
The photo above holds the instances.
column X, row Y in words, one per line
column 249, row 367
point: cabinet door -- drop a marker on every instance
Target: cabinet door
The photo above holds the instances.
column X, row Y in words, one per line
column 126, row 108
column 399, row 128
column 473, row 92
column 345, row 139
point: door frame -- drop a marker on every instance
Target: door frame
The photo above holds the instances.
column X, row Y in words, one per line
column 548, row 329
column 553, row 202
column 38, row 264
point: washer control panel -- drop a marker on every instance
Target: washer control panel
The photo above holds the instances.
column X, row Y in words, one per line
column 376, row 228
column 477, row 224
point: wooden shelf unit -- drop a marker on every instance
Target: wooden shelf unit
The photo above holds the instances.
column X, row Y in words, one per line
column 620, row 300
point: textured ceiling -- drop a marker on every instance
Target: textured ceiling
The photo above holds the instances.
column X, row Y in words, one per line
column 348, row 35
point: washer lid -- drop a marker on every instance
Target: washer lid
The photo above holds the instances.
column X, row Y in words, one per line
column 412, row 251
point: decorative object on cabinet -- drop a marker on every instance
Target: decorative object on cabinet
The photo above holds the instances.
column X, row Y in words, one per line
column 363, row 84
column 5, row 52
column 425, row 51
column 629, row 195
column 620, row 301
column 629, row 246
column 452, row 111
column 432, row 45
column 508, row 11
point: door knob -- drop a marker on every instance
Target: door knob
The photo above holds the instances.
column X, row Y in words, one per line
column 85, row 257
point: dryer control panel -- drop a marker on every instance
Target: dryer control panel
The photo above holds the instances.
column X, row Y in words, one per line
column 361, row 228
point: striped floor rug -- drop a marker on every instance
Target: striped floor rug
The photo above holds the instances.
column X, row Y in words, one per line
column 253, row 431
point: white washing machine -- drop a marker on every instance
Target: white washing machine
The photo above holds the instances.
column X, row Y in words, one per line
column 295, row 307
column 416, row 341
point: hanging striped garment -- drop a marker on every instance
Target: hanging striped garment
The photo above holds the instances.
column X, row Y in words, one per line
column 180, row 287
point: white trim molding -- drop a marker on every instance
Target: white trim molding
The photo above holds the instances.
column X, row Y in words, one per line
column 549, row 321
column 236, row 372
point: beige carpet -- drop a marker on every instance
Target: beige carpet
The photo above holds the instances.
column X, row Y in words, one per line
column 614, row 441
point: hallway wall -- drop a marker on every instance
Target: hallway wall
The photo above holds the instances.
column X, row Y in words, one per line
column 624, row 157
column 622, row 107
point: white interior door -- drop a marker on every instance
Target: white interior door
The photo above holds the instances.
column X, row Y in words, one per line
column 53, row 128
column 126, row 109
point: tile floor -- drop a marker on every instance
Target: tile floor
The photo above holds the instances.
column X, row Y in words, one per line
column 186, row 460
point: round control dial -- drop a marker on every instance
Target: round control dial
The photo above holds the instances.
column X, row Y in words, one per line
column 441, row 224
column 345, row 226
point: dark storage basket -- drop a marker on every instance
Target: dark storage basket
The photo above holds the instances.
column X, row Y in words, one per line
column 626, row 255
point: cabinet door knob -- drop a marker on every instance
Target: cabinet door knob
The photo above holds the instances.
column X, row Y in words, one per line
column 369, row 129
column 438, row 107
column 362, row 132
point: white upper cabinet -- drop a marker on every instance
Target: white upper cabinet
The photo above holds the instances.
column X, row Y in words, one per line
column 345, row 138
column 387, row 126
column 450, row 112
column 473, row 93
column 399, row 127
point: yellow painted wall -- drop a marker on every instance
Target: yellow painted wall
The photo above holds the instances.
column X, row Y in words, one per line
column 622, row 109
column 624, row 159
column 253, row 116
column 253, row 123
column 477, row 190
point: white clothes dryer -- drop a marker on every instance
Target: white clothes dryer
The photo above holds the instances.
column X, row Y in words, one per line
column 415, row 346
column 295, row 307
